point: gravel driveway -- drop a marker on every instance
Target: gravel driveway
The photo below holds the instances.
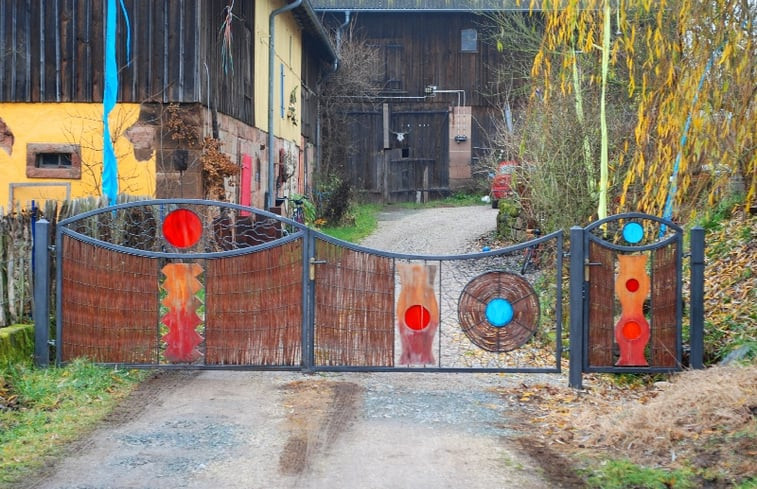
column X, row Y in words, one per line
column 234, row 429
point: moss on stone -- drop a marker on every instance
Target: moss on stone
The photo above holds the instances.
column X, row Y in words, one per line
column 16, row 344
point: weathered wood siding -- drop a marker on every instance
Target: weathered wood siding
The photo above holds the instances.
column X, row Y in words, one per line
column 418, row 49
column 421, row 49
column 53, row 51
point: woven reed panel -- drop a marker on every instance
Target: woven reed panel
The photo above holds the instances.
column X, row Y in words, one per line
column 664, row 293
column 253, row 308
column 601, row 305
column 109, row 305
column 354, row 315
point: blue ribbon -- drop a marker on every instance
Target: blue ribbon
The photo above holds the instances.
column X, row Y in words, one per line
column 110, row 93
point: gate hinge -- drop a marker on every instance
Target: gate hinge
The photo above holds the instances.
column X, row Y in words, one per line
column 51, row 248
column 313, row 263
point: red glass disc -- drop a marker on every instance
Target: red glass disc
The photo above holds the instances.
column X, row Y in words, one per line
column 632, row 285
column 182, row 228
column 417, row 317
column 631, row 330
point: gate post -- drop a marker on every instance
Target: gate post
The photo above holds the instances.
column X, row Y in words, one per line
column 696, row 319
column 41, row 292
column 308, row 301
column 576, row 307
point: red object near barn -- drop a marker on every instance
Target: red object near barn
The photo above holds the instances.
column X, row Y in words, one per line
column 501, row 183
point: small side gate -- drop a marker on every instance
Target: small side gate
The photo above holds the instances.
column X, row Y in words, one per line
column 626, row 296
column 200, row 284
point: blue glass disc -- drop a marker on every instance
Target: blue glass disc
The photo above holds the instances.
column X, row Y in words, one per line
column 633, row 232
column 499, row 312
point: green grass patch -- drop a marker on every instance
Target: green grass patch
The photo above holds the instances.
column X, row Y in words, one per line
column 45, row 408
column 458, row 199
column 364, row 222
column 622, row 474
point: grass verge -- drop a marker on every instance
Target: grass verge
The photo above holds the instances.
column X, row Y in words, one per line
column 458, row 199
column 363, row 224
column 42, row 409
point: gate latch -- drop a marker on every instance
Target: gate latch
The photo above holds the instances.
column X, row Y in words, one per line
column 588, row 264
column 313, row 263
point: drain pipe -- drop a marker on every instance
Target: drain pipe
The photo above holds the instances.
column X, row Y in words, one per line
column 339, row 31
column 271, row 54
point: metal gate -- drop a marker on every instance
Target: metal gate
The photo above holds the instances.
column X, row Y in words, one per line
column 201, row 284
column 626, row 296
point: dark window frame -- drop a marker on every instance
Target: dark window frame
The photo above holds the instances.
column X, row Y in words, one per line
column 72, row 172
column 464, row 41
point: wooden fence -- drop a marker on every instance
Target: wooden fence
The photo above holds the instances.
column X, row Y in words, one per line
column 16, row 242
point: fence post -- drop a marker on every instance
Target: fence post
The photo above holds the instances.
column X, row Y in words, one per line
column 575, row 377
column 41, row 255
column 696, row 318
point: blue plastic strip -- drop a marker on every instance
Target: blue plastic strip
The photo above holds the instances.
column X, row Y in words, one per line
column 110, row 166
column 128, row 33
column 668, row 209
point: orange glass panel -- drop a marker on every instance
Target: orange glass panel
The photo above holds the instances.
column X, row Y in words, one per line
column 181, row 285
column 632, row 329
column 417, row 313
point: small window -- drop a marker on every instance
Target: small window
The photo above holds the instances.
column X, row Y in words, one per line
column 53, row 161
column 469, row 41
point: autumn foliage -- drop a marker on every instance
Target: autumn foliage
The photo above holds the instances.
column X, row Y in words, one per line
column 687, row 72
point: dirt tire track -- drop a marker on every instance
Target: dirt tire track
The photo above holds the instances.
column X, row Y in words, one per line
column 316, row 421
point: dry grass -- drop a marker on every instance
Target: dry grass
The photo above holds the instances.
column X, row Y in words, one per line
column 700, row 419
column 694, row 405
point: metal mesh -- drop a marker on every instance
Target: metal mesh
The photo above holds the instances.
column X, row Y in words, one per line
column 632, row 230
column 140, row 227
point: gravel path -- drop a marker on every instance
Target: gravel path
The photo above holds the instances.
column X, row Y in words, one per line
column 249, row 430
column 438, row 231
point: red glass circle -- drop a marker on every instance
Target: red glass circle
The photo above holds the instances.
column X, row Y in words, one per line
column 632, row 285
column 182, row 228
column 631, row 330
column 417, row 317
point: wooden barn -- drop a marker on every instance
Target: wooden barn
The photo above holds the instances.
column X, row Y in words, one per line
column 441, row 95
column 196, row 86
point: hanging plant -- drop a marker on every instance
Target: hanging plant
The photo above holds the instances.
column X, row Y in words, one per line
column 216, row 167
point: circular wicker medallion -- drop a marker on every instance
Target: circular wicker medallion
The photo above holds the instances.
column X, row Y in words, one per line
column 498, row 311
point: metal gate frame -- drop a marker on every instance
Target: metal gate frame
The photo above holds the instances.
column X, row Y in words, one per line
column 606, row 234
column 310, row 242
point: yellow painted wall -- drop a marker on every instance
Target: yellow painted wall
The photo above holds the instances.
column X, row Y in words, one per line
column 70, row 124
column 288, row 48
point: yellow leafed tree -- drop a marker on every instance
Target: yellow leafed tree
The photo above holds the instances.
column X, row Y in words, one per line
column 690, row 76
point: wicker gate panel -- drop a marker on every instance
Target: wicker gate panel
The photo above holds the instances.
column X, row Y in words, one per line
column 664, row 296
column 253, row 308
column 109, row 305
column 354, row 308
column 601, row 280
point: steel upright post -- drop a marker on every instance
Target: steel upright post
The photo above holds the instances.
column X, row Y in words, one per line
column 696, row 319
column 575, row 376
column 308, row 300
column 41, row 292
